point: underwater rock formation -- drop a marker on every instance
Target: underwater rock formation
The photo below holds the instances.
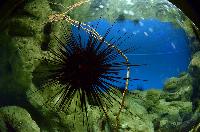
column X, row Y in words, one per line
column 194, row 70
column 16, row 119
column 178, row 88
column 26, row 41
column 164, row 115
column 20, row 45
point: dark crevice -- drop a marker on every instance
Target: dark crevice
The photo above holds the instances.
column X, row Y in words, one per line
column 195, row 95
column 47, row 31
column 9, row 127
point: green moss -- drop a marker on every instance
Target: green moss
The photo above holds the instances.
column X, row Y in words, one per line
column 152, row 100
column 153, row 95
column 38, row 8
column 194, row 70
column 194, row 67
column 16, row 119
column 171, row 84
column 10, row 85
column 22, row 27
column 178, row 88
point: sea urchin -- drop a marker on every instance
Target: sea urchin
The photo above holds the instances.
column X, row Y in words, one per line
column 92, row 69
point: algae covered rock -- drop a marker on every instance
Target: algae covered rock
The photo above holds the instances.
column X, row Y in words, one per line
column 194, row 67
column 194, row 70
column 172, row 113
column 20, row 51
column 165, row 115
column 38, row 9
column 13, row 82
column 13, row 118
column 133, row 117
column 178, row 88
column 152, row 100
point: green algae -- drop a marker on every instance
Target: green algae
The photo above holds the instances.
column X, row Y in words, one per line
column 17, row 119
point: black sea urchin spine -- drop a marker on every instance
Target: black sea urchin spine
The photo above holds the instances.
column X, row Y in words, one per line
column 89, row 69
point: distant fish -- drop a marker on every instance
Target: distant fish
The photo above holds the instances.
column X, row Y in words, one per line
column 136, row 21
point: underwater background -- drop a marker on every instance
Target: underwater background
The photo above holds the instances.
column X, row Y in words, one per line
column 163, row 50
column 170, row 46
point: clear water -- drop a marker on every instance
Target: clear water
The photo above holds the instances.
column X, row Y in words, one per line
column 164, row 48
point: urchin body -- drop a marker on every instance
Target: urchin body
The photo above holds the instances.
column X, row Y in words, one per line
column 90, row 68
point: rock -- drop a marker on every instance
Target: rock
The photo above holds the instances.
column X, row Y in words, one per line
column 194, row 67
column 38, row 9
column 194, row 70
column 178, row 88
column 168, row 114
column 152, row 99
column 133, row 117
column 164, row 115
column 24, row 28
column 10, row 75
column 171, row 84
column 189, row 125
column 13, row 118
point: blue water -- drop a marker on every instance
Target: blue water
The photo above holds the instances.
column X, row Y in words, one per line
column 161, row 46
